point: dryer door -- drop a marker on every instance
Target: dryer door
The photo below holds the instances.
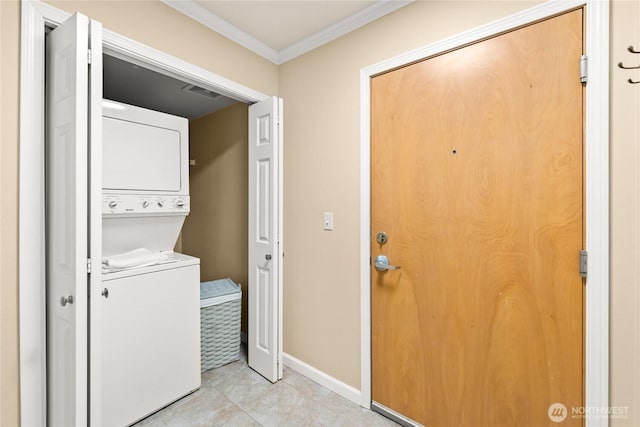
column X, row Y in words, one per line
column 140, row 157
column 144, row 151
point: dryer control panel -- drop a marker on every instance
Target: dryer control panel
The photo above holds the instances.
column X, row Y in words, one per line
column 135, row 205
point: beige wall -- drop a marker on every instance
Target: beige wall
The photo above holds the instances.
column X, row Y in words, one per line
column 9, row 27
column 321, row 169
column 216, row 229
column 625, row 214
column 149, row 22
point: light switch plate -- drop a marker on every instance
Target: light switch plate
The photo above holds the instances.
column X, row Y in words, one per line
column 328, row 221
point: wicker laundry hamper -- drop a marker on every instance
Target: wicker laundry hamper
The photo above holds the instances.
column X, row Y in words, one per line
column 220, row 307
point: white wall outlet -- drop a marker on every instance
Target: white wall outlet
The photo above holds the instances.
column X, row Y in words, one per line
column 328, row 221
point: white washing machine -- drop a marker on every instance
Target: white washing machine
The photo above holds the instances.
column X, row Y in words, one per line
column 150, row 315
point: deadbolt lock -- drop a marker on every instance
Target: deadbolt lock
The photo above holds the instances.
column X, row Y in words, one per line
column 381, row 237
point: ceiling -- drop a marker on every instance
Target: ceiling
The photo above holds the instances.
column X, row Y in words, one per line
column 282, row 30
column 277, row 30
column 135, row 85
column 279, row 24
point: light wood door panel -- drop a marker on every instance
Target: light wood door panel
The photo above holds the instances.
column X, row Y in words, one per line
column 477, row 178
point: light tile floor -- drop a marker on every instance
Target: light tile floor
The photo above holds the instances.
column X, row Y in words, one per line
column 235, row 395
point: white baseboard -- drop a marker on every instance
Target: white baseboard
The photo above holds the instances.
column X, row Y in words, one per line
column 325, row 380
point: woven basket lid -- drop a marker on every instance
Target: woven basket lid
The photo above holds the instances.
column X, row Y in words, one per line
column 217, row 288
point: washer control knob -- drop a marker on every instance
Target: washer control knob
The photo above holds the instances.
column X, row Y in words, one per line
column 145, row 204
column 179, row 203
column 160, row 203
column 113, row 204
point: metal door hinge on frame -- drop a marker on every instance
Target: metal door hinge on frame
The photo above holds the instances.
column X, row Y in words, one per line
column 584, row 71
column 583, row 263
column 88, row 265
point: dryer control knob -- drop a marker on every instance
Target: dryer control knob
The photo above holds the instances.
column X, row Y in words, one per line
column 113, row 204
column 160, row 203
column 179, row 203
column 145, row 204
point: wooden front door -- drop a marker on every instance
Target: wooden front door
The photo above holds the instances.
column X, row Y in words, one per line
column 477, row 181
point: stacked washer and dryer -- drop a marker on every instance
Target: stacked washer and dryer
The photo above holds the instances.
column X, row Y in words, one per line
column 150, row 316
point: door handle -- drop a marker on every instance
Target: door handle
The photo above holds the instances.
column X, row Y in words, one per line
column 382, row 264
column 66, row 300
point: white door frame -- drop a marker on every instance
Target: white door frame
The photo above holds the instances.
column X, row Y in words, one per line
column 597, row 185
column 35, row 15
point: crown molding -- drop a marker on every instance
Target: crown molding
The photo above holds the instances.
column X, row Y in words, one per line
column 212, row 21
column 340, row 28
column 209, row 19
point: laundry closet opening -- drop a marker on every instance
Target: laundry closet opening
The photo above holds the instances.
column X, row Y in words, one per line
column 71, row 308
column 215, row 231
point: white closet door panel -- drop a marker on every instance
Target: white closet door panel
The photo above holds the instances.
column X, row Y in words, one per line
column 95, row 220
column 264, row 244
column 66, row 224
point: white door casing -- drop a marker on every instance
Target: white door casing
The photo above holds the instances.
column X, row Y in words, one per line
column 67, row 157
column 264, row 238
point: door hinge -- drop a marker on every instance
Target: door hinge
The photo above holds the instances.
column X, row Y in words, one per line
column 88, row 265
column 89, row 57
column 583, row 263
column 583, row 68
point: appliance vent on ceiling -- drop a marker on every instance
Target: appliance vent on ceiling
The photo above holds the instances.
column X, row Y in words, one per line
column 201, row 91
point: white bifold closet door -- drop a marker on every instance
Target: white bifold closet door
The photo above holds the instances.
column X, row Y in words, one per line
column 265, row 237
column 73, row 134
